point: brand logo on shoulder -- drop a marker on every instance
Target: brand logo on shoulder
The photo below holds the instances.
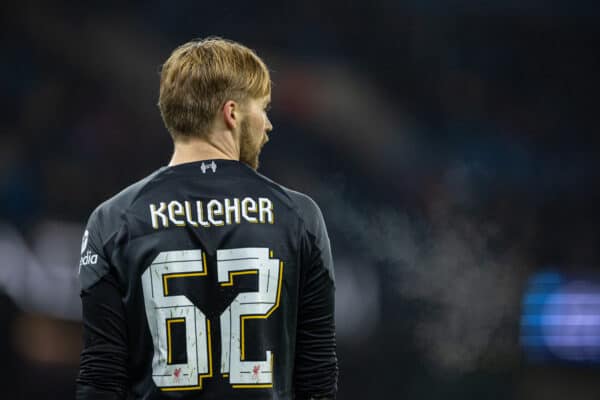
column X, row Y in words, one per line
column 84, row 241
column 89, row 259
column 212, row 166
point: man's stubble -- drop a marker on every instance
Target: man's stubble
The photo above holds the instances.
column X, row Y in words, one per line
column 250, row 145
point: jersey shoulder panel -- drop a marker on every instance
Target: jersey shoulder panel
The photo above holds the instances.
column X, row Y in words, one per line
column 105, row 227
column 110, row 214
column 304, row 206
column 312, row 217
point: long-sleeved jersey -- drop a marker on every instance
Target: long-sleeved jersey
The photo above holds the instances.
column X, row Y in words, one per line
column 207, row 280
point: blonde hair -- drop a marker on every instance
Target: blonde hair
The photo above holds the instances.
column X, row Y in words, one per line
column 200, row 76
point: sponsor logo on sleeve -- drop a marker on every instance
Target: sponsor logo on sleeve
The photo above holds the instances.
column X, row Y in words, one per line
column 87, row 257
column 84, row 241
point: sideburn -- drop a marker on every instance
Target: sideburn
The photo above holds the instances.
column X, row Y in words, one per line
column 249, row 150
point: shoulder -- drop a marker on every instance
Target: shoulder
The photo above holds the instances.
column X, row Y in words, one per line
column 104, row 231
column 110, row 214
column 315, row 230
column 303, row 205
column 308, row 210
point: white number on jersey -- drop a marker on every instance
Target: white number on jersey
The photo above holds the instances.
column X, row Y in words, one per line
column 164, row 310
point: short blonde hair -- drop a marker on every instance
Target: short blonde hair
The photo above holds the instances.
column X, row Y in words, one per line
column 200, row 76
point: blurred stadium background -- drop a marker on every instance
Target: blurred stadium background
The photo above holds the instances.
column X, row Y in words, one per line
column 453, row 149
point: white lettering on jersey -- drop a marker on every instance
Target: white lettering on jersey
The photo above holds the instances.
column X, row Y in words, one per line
column 89, row 259
column 212, row 213
column 156, row 213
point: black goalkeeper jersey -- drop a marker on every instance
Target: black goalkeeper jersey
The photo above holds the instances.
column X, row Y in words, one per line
column 207, row 281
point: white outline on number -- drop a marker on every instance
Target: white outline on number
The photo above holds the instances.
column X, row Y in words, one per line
column 162, row 307
column 247, row 305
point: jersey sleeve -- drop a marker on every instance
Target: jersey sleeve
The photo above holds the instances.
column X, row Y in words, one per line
column 103, row 362
column 94, row 262
column 316, row 367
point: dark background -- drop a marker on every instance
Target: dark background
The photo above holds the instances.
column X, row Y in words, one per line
column 452, row 147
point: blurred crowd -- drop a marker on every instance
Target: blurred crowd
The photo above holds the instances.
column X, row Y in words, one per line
column 452, row 158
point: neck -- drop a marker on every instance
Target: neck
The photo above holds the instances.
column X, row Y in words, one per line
column 199, row 149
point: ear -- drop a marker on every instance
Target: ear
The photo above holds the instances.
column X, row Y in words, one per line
column 231, row 114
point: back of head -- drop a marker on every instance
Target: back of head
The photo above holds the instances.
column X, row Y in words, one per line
column 200, row 76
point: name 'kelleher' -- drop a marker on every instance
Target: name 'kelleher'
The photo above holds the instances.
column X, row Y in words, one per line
column 212, row 213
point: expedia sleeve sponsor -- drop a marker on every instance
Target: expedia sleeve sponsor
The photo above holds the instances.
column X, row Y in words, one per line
column 93, row 264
